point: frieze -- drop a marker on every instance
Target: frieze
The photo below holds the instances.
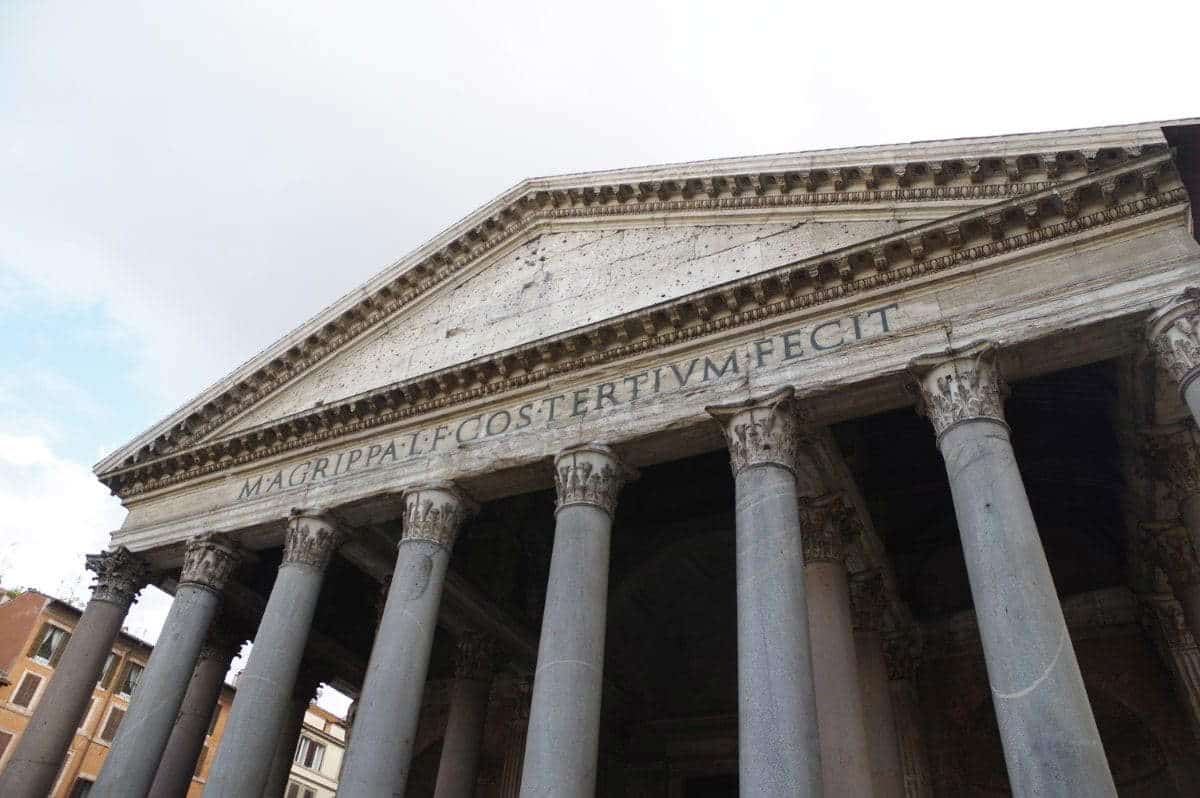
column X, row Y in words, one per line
column 736, row 363
column 961, row 385
column 120, row 575
column 209, row 560
column 1061, row 210
column 590, row 474
column 311, row 539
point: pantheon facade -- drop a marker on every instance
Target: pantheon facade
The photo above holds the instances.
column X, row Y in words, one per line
column 858, row 472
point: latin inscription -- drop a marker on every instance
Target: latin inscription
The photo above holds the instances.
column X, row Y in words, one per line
column 774, row 351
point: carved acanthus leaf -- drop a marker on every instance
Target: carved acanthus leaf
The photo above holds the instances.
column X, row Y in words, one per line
column 760, row 432
column 821, row 529
column 1172, row 455
column 1174, row 337
column 435, row 513
column 312, row 538
column 120, row 575
column 590, row 474
column 475, row 657
column 209, row 560
column 961, row 385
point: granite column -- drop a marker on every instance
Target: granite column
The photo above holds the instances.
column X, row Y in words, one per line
column 264, row 691
column 902, row 657
column 845, row 755
column 1051, row 743
column 779, row 747
column 208, row 562
column 385, row 722
column 868, row 601
column 39, row 754
column 463, row 741
column 563, row 743
column 178, row 762
column 517, row 727
column 304, row 691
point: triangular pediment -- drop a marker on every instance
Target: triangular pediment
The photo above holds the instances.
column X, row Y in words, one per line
column 552, row 283
column 556, row 255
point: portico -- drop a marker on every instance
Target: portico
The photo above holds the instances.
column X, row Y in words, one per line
column 839, row 473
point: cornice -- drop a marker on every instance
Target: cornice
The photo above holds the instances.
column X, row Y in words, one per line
column 974, row 169
column 1093, row 200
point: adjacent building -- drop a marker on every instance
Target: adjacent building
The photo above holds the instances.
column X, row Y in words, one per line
column 34, row 632
column 869, row 471
column 318, row 757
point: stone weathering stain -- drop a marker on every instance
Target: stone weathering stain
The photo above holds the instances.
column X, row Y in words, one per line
column 730, row 364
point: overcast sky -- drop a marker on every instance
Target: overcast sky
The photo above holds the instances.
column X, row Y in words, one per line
column 180, row 184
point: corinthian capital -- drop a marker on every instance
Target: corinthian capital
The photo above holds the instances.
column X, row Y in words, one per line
column 312, row 538
column 436, row 513
column 1173, row 333
column 209, row 560
column 590, row 474
column 474, row 657
column 821, row 530
column 1174, row 553
column 959, row 385
column 761, row 431
column 1172, row 454
column 120, row 575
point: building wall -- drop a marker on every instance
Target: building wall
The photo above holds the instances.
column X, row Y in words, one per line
column 328, row 730
column 22, row 620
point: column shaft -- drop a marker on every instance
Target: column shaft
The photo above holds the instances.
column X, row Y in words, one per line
column 385, row 723
column 265, row 687
column 38, row 756
column 1051, row 743
column 914, row 761
column 563, row 743
column 142, row 736
column 178, row 762
column 463, row 741
column 779, row 747
column 845, row 755
column 285, row 744
column 887, row 775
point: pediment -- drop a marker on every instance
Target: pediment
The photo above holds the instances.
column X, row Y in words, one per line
column 552, row 283
column 559, row 254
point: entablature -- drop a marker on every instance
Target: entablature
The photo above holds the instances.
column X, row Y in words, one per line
column 1063, row 213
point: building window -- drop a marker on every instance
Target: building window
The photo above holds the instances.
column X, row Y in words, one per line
column 200, row 761
column 110, row 726
column 309, row 753
column 133, row 675
column 294, row 790
column 5, row 739
column 27, row 689
column 50, row 644
column 110, row 665
column 212, row 722
column 87, row 714
column 80, row 789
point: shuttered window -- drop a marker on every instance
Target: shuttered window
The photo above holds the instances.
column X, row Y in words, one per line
column 110, row 726
column 26, row 690
column 5, row 739
column 200, row 761
column 309, row 753
column 50, row 644
column 110, row 665
column 133, row 675
column 212, row 722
